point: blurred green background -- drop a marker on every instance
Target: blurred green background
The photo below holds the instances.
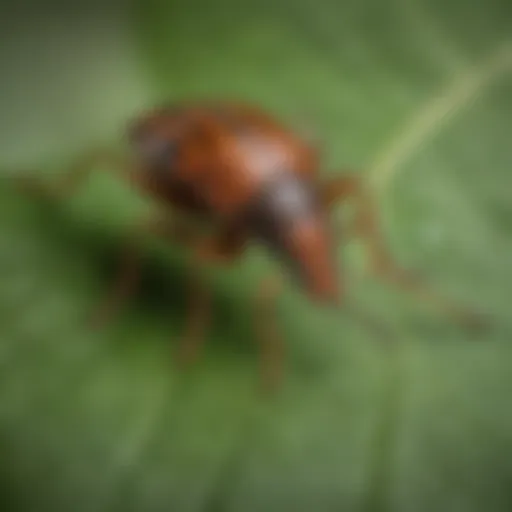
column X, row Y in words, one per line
column 416, row 93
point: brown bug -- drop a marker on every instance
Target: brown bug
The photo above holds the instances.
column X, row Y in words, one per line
column 249, row 177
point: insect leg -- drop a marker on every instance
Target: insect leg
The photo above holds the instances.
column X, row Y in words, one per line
column 225, row 248
column 197, row 319
column 70, row 181
column 220, row 248
column 366, row 225
column 129, row 273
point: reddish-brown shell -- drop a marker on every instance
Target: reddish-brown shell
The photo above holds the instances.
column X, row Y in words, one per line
column 224, row 153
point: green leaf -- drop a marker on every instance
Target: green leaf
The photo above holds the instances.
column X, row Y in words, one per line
column 419, row 95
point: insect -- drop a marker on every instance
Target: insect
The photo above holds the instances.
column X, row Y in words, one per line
column 237, row 168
